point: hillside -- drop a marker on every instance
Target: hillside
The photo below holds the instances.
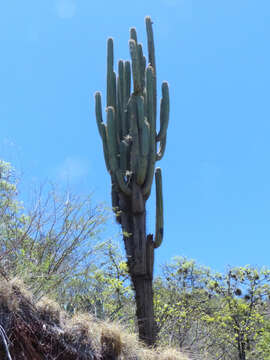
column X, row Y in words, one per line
column 37, row 331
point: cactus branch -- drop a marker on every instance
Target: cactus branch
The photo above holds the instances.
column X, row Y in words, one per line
column 151, row 57
column 135, row 66
column 161, row 150
column 159, row 209
column 164, row 111
column 111, row 77
column 152, row 123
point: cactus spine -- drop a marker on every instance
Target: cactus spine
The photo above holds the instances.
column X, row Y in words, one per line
column 130, row 140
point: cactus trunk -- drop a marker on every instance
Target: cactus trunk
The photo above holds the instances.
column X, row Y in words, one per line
column 145, row 309
column 140, row 256
column 129, row 140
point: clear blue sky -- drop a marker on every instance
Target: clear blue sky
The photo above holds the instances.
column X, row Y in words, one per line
column 215, row 56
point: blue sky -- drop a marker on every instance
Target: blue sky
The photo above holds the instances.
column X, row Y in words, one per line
column 215, row 56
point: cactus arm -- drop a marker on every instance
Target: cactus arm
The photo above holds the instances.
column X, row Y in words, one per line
column 159, row 209
column 121, row 85
column 161, row 150
column 135, row 66
column 112, row 139
column 151, row 57
column 140, row 110
column 120, row 100
column 144, row 142
column 164, row 121
column 111, row 77
column 102, row 128
column 150, row 99
column 126, row 95
column 142, row 170
column 105, row 145
column 133, row 34
column 124, row 150
column 98, row 109
column 142, row 62
column 127, row 81
column 164, row 112
column 152, row 122
column 150, row 43
column 132, row 114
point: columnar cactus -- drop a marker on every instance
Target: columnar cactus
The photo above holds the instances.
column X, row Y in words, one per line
column 130, row 141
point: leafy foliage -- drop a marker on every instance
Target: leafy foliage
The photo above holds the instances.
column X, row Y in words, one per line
column 219, row 315
column 102, row 288
column 180, row 299
column 51, row 243
column 242, row 293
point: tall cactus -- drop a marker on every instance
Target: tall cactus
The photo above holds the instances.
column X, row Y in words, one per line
column 130, row 139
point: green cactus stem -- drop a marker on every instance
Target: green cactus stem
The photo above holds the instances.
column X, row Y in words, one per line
column 131, row 147
column 159, row 209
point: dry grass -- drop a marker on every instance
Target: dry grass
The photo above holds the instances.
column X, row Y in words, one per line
column 161, row 354
column 171, row 354
column 128, row 347
column 6, row 296
column 18, row 284
column 49, row 310
column 9, row 290
column 83, row 327
column 82, row 332
column 111, row 340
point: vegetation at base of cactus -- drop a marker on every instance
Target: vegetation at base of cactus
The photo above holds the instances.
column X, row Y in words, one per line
column 131, row 147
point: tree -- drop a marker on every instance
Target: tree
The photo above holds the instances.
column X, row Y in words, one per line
column 181, row 300
column 262, row 349
column 238, row 319
column 102, row 288
column 219, row 316
column 12, row 220
column 54, row 240
column 130, row 149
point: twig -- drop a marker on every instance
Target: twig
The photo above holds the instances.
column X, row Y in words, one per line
column 5, row 341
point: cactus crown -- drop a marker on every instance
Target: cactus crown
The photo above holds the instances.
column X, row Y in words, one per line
column 129, row 137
